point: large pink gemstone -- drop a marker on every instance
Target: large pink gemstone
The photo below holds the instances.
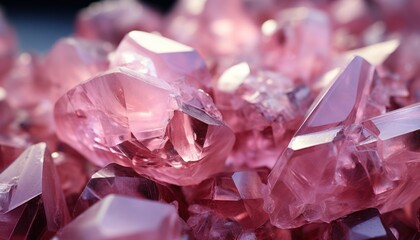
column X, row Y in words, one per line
column 30, row 175
column 163, row 58
column 316, row 178
column 138, row 120
column 264, row 109
column 111, row 20
column 118, row 217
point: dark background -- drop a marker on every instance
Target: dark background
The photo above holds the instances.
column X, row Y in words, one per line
column 39, row 23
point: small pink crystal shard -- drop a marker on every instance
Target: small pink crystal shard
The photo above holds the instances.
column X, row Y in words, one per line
column 118, row 217
column 72, row 61
column 111, row 20
column 236, row 197
column 138, row 120
column 263, row 108
column 306, row 184
column 365, row 224
column 30, row 175
column 163, row 58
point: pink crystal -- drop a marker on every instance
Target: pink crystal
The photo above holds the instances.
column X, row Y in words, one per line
column 111, row 20
column 306, row 183
column 152, row 130
column 163, row 58
column 30, row 175
column 72, row 61
column 263, row 108
column 118, row 217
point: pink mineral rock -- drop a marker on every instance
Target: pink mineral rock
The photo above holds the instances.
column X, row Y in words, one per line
column 263, row 108
column 119, row 217
column 138, row 120
column 317, row 178
column 33, row 174
column 163, row 58
column 72, row 61
column 111, row 20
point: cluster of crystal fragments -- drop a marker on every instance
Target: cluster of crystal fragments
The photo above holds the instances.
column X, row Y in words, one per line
column 238, row 119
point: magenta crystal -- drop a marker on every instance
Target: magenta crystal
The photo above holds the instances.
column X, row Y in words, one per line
column 119, row 217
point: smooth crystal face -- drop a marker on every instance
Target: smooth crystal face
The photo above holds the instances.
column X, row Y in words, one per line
column 119, row 217
column 325, row 172
column 263, row 108
column 98, row 21
column 145, row 124
column 364, row 224
column 33, row 174
column 72, row 61
column 163, row 58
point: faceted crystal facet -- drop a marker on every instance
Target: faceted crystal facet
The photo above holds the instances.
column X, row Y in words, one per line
column 111, row 20
column 119, row 217
column 317, row 178
column 142, row 122
column 364, row 224
column 30, row 175
column 163, row 58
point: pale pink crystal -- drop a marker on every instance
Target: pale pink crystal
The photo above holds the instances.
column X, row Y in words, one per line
column 309, row 181
column 111, row 20
column 143, row 122
column 162, row 58
column 72, row 61
column 297, row 43
column 30, row 175
column 119, row 217
column 213, row 30
column 263, row 108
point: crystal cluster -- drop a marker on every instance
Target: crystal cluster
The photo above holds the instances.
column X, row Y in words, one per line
column 241, row 119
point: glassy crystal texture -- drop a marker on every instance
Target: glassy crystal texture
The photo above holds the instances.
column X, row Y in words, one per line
column 324, row 173
column 118, row 217
column 33, row 174
column 263, row 108
column 144, row 123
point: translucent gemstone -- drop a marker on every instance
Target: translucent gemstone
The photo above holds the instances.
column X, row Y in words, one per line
column 33, row 174
column 116, row 179
column 364, row 224
column 263, row 108
column 143, row 122
column 8, row 152
column 119, row 217
column 163, row 58
column 234, row 196
column 402, row 222
column 212, row 30
column 7, row 115
column 98, row 21
column 317, row 177
column 72, row 61
column 297, row 43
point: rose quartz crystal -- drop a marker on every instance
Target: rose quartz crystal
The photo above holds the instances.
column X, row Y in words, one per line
column 143, row 122
column 321, row 175
column 162, row 58
column 33, row 174
column 263, row 108
column 72, row 61
column 111, row 20
column 119, row 217
column 213, row 30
